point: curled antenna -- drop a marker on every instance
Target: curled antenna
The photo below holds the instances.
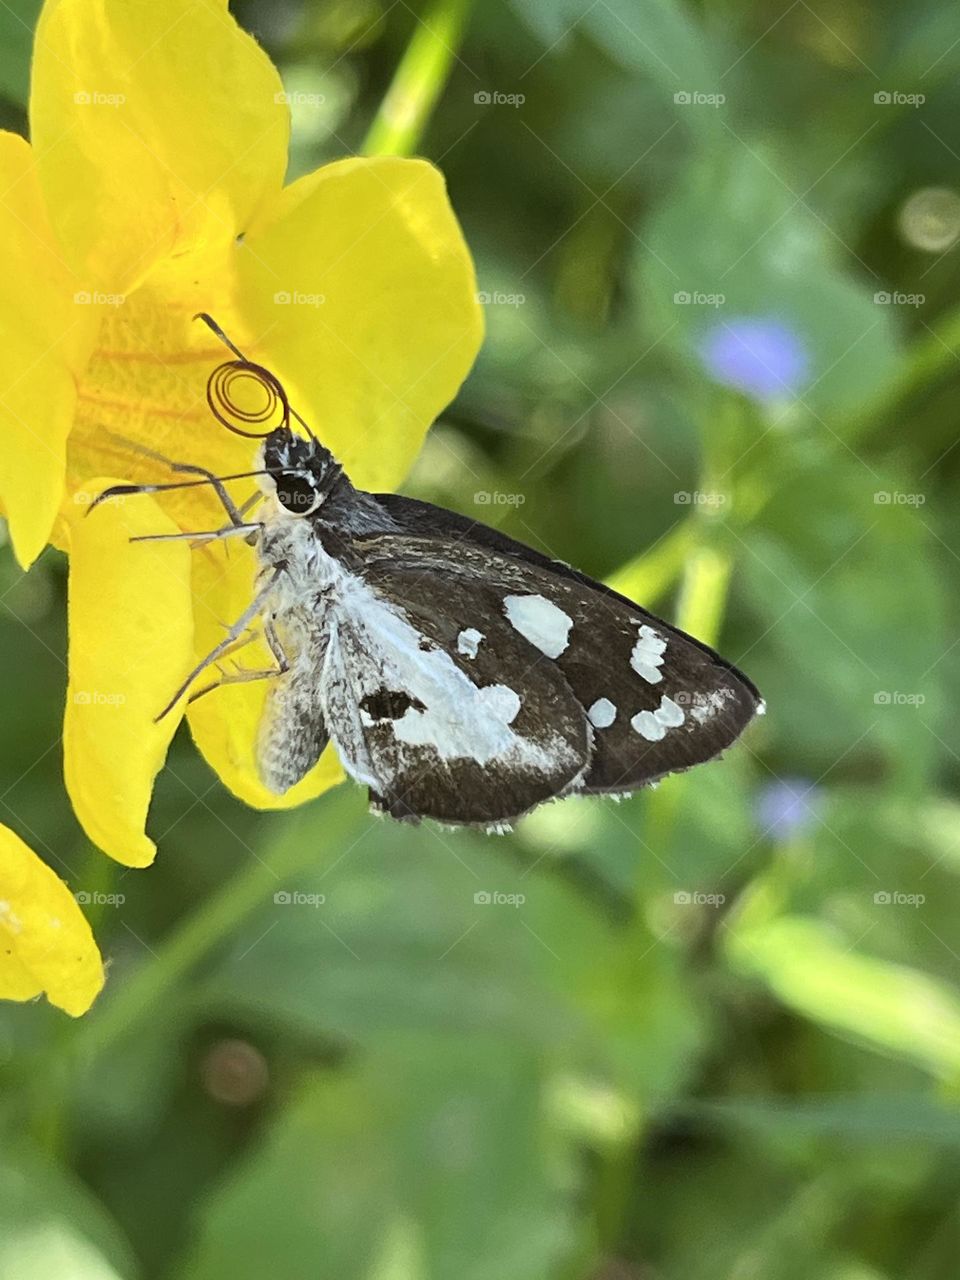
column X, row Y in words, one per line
column 222, row 393
column 229, row 409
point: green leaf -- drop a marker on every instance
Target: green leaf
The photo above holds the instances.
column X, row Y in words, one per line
column 902, row 1117
column 17, row 21
column 50, row 1226
column 850, row 601
column 815, row 970
column 656, row 37
column 735, row 239
column 407, row 940
column 425, row 1160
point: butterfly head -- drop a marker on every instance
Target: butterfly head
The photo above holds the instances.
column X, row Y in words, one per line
column 301, row 472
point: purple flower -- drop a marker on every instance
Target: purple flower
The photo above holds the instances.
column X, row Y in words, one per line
column 762, row 357
column 785, row 808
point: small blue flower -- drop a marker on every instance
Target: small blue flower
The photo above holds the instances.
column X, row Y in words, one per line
column 785, row 808
column 759, row 356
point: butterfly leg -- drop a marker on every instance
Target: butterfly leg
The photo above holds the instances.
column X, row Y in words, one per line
column 233, row 635
column 184, row 468
column 205, row 535
column 243, row 675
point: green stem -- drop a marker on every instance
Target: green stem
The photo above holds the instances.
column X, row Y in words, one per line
column 926, row 360
column 649, row 575
column 418, row 81
column 294, row 852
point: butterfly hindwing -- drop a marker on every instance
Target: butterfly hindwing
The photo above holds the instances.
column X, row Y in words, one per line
column 439, row 718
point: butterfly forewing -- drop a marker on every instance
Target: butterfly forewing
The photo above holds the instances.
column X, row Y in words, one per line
column 655, row 700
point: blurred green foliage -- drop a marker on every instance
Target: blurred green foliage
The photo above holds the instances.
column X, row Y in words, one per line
column 715, row 1031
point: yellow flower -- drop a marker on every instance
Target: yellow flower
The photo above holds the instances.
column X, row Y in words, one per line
column 45, row 942
column 153, row 189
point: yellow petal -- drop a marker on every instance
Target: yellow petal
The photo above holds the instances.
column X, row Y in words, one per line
column 157, row 126
column 131, row 646
column 45, row 941
column 225, row 723
column 47, row 337
column 359, row 281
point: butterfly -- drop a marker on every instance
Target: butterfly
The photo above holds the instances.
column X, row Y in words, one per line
column 461, row 675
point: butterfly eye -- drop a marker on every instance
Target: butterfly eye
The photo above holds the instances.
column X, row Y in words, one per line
column 297, row 493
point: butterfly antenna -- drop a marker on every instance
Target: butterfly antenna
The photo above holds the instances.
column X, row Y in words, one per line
column 211, row 324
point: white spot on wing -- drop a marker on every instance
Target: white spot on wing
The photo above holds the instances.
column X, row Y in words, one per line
column 602, row 714
column 648, row 726
column 500, row 701
column 647, row 656
column 539, row 621
column 669, row 714
column 707, row 705
column 653, row 725
column 468, row 642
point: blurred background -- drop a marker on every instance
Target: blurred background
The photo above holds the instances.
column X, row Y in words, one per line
column 713, row 1031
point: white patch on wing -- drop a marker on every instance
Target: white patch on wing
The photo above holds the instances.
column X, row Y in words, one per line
column 468, row 642
column 602, row 714
column 540, row 621
column 647, row 656
column 451, row 715
column 653, row 725
column 707, row 705
column 648, row 726
column 669, row 714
